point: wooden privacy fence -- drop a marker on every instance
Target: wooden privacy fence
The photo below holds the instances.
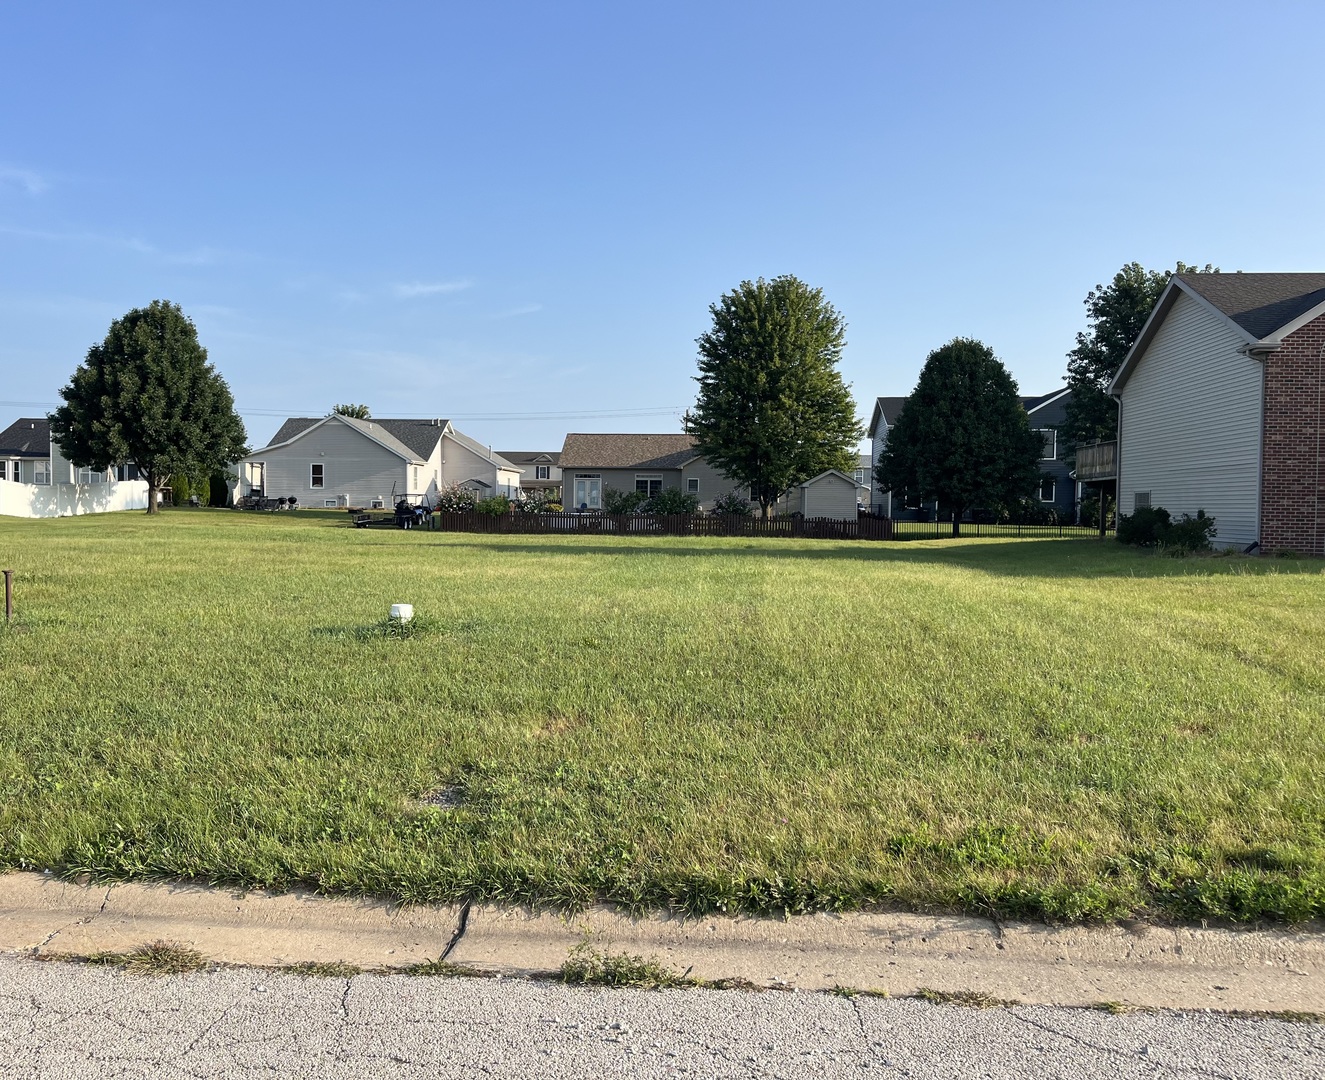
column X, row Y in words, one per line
column 866, row 528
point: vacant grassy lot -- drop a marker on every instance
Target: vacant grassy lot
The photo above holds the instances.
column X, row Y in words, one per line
column 1057, row 728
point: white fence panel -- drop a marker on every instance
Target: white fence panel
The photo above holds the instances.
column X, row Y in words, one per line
column 65, row 500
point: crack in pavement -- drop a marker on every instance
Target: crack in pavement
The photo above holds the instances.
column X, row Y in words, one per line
column 1191, row 1070
column 461, row 926
column 76, row 922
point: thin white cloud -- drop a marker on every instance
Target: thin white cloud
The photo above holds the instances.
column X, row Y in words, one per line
column 516, row 312
column 31, row 182
column 415, row 289
column 202, row 256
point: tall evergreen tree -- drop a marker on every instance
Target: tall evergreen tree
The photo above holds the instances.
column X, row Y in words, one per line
column 1116, row 313
column 147, row 395
column 772, row 409
column 963, row 438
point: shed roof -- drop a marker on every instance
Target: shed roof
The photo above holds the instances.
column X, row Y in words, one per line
column 597, row 451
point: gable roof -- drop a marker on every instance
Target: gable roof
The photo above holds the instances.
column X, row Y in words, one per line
column 885, row 409
column 1260, row 308
column 1262, row 304
column 28, row 436
column 587, row 451
column 418, row 436
column 826, row 474
column 298, row 426
column 531, row 457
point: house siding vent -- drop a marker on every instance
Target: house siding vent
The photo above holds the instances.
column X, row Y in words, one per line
column 1140, row 499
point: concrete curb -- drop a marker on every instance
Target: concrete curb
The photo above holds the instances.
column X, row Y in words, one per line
column 1185, row 967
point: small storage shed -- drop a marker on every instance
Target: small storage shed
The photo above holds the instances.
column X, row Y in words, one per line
column 831, row 494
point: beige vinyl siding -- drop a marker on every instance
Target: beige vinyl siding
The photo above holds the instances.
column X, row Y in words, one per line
column 353, row 466
column 1190, row 428
column 830, row 496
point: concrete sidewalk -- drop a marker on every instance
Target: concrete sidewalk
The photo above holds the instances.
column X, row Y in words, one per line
column 1185, row 968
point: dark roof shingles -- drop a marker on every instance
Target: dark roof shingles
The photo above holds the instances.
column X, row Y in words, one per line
column 28, row 436
column 419, row 435
column 1259, row 303
column 591, row 451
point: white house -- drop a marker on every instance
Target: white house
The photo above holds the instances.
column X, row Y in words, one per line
column 36, row 480
column 343, row 461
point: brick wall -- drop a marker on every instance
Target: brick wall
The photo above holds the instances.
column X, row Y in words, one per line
column 1293, row 468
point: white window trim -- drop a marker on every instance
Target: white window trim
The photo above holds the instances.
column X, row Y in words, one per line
column 1053, row 490
column 1048, row 435
column 649, row 479
column 586, row 477
column 692, row 485
column 316, row 484
column 41, row 472
column 542, row 472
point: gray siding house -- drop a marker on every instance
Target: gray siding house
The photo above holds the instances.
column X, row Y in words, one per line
column 343, row 461
column 1220, row 408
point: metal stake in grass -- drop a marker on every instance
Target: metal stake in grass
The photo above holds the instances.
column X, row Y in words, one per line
column 9, row 595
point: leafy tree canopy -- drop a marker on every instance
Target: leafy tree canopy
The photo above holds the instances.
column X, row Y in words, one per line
column 963, row 438
column 772, row 409
column 147, row 395
column 1115, row 313
column 357, row 412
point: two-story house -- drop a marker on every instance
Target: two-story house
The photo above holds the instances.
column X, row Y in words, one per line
column 540, row 470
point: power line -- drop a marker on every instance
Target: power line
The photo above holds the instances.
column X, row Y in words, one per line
column 585, row 414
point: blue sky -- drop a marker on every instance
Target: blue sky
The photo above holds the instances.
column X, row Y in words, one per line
column 483, row 210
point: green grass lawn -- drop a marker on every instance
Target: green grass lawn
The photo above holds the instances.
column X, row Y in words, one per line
column 1056, row 728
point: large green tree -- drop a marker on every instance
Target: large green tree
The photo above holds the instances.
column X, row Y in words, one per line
column 963, row 438
column 147, row 395
column 772, row 409
column 1115, row 314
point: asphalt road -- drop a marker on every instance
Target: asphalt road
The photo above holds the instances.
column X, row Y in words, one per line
column 67, row 1020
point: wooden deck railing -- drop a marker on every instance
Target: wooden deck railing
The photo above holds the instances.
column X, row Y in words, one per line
column 1097, row 461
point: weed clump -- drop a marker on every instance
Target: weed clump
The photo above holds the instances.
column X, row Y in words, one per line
column 156, row 958
column 587, row 966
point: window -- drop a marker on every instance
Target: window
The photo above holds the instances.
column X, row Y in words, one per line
column 329, row 502
column 542, row 472
column 910, row 501
column 860, row 478
column 649, row 485
column 1048, row 489
column 89, row 476
column 316, row 475
column 4, row 470
column 376, row 504
column 41, row 472
column 416, row 478
column 1140, row 499
column 1050, row 437
column 692, row 485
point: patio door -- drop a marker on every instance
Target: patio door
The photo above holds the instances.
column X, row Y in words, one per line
column 588, row 493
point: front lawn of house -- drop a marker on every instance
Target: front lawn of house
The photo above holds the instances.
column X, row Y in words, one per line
column 1057, row 728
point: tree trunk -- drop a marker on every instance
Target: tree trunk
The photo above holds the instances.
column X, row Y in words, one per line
column 956, row 523
column 152, row 493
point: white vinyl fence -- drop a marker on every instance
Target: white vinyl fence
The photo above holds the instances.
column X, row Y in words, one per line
column 65, row 500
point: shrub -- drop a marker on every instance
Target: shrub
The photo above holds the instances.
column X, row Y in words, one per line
column 616, row 501
column 496, row 505
column 537, row 502
column 1153, row 526
column 1090, row 511
column 179, row 490
column 733, row 503
column 1190, row 534
column 672, row 501
column 1144, row 527
column 1028, row 512
column 218, row 488
column 455, row 499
